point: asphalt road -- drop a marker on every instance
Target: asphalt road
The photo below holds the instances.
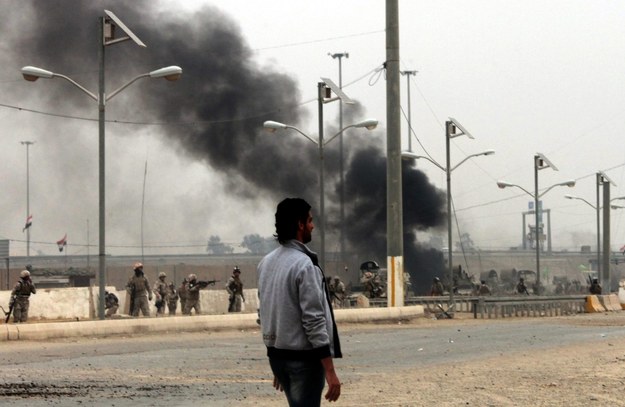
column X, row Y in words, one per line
column 230, row 368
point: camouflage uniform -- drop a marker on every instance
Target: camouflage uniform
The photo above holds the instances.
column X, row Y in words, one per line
column 234, row 286
column 338, row 297
column 521, row 288
column 595, row 287
column 111, row 304
column 20, row 297
column 160, row 292
column 193, row 296
column 372, row 284
column 172, row 299
column 139, row 289
column 183, row 293
column 437, row 288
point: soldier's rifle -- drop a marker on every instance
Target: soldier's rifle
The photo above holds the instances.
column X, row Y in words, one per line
column 203, row 284
column 8, row 314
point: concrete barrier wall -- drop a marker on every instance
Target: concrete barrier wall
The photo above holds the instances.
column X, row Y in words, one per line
column 12, row 332
column 80, row 303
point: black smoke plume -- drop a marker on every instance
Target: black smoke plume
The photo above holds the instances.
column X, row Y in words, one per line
column 366, row 217
column 214, row 113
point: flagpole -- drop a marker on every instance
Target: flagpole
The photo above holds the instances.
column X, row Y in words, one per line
column 27, row 144
column 88, row 242
column 145, row 175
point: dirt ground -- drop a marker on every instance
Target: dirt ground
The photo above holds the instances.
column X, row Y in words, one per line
column 578, row 375
column 589, row 374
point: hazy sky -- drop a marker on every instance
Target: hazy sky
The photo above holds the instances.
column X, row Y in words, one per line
column 521, row 76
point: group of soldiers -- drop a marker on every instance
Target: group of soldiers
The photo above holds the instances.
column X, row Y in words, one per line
column 166, row 295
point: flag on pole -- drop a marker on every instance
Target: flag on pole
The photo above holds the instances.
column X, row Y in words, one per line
column 62, row 243
column 29, row 222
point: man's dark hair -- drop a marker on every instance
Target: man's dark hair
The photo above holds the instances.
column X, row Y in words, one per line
column 289, row 213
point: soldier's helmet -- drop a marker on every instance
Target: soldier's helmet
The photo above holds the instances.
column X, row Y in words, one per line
column 337, row 278
column 192, row 277
column 162, row 274
column 236, row 269
column 137, row 265
column 436, row 279
column 24, row 274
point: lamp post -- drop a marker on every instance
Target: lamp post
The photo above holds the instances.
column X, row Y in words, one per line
column 340, row 56
column 540, row 162
column 597, row 209
column 106, row 32
column 452, row 126
column 272, row 126
column 27, row 144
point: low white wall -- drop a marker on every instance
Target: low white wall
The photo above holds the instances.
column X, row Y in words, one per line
column 81, row 303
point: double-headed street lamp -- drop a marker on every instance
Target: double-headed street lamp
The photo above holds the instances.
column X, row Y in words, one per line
column 272, row 126
column 452, row 129
column 107, row 29
column 540, row 162
column 597, row 209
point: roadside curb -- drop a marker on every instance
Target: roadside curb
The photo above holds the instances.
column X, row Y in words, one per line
column 56, row 330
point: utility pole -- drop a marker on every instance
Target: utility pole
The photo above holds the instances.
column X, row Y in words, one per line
column 394, row 212
column 27, row 144
column 340, row 56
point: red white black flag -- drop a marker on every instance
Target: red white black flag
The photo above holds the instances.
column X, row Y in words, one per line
column 29, row 222
column 62, row 243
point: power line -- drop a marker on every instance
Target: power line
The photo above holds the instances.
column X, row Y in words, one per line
column 295, row 44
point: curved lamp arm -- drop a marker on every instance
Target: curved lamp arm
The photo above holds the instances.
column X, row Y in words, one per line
column 504, row 184
column 272, row 126
column 487, row 152
column 570, row 184
column 369, row 124
column 413, row 156
column 581, row 199
column 32, row 73
column 171, row 73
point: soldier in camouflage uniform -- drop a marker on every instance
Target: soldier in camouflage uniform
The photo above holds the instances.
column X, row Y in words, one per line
column 437, row 287
column 160, row 292
column 111, row 304
column 20, row 297
column 172, row 299
column 235, row 289
column 139, row 289
column 338, row 297
column 193, row 296
column 183, row 293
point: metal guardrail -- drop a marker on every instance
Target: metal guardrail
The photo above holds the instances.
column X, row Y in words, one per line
column 498, row 307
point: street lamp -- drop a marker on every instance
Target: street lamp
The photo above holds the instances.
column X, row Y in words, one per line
column 27, row 144
column 340, row 56
column 272, row 126
column 450, row 133
column 106, row 32
column 540, row 162
column 597, row 209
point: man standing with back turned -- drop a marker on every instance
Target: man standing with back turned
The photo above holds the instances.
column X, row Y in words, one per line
column 296, row 315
